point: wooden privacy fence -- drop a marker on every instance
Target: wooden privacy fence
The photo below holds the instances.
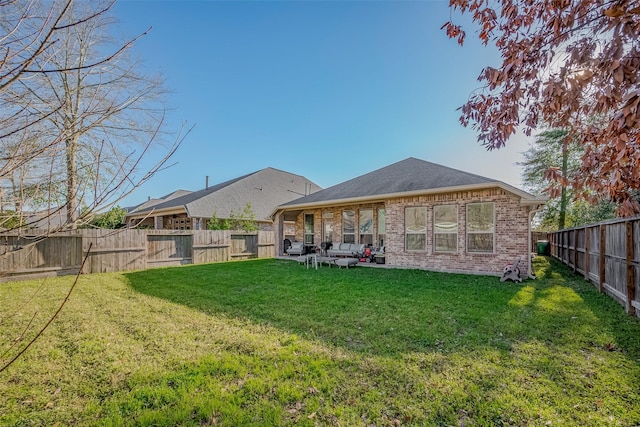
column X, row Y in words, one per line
column 30, row 256
column 607, row 254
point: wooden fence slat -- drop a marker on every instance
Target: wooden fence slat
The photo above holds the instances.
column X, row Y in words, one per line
column 631, row 269
column 587, row 254
column 575, row 250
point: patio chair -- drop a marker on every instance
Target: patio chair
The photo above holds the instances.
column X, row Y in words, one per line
column 296, row 248
column 324, row 246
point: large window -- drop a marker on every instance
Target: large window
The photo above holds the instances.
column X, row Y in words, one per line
column 308, row 229
column 415, row 227
column 348, row 227
column 480, row 227
column 445, row 228
column 365, row 223
column 382, row 229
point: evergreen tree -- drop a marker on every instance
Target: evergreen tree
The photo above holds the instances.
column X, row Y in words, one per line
column 555, row 149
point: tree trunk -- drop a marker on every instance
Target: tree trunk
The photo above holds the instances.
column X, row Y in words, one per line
column 563, row 194
column 14, row 190
column 72, row 180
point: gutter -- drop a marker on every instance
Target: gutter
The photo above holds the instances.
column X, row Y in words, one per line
column 532, row 212
column 156, row 212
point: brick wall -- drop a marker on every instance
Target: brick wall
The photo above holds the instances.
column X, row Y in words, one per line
column 511, row 233
column 510, row 242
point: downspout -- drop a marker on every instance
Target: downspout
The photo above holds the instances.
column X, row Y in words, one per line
column 532, row 212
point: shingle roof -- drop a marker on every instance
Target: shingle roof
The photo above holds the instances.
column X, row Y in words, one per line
column 409, row 175
column 264, row 190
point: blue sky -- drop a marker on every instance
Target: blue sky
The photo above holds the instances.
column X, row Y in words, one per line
column 325, row 89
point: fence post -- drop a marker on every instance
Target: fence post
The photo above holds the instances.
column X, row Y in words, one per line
column 587, row 248
column 631, row 270
column 145, row 239
column 602, row 256
column 193, row 249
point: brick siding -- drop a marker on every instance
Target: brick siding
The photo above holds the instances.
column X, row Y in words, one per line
column 510, row 241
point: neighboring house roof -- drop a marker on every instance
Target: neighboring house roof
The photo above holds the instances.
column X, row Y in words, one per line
column 264, row 190
column 407, row 177
column 153, row 202
column 52, row 219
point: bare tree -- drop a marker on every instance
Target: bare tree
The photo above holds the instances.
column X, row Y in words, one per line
column 76, row 119
column 93, row 115
column 104, row 111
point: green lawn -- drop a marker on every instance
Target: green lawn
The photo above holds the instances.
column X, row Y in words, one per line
column 268, row 342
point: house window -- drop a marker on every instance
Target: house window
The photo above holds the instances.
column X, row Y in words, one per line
column 480, row 227
column 445, row 228
column 381, row 226
column 348, row 227
column 308, row 229
column 415, row 227
column 327, row 232
column 365, row 224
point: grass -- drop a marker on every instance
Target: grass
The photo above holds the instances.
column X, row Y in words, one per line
column 268, row 342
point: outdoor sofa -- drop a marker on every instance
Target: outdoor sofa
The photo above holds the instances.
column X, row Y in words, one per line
column 346, row 250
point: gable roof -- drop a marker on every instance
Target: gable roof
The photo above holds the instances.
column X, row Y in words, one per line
column 407, row 177
column 264, row 190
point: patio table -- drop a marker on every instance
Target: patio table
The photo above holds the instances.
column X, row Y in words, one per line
column 347, row 262
column 329, row 260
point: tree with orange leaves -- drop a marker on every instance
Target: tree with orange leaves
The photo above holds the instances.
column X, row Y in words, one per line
column 564, row 63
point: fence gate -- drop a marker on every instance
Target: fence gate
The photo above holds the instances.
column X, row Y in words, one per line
column 244, row 246
column 169, row 249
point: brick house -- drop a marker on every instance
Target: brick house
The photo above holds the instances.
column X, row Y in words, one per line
column 425, row 215
column 192, row 210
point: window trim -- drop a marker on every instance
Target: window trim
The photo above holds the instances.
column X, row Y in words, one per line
column 406, row 234
column 435, row 232
column 493, row 230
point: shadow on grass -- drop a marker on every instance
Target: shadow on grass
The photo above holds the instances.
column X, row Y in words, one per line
column 567, row 307
column 425, row 349
column 385, row 311
column 268, row 342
